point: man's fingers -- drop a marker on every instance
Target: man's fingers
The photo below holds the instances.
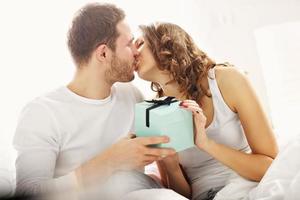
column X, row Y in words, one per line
column 153, row 140
column 150, row 159
column 160, row 152
column 131, row 136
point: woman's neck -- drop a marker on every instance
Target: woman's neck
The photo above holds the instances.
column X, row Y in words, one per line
column 169, row 87
column 172, row 89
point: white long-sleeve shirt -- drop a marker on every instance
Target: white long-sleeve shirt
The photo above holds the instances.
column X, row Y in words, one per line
column 58, row 132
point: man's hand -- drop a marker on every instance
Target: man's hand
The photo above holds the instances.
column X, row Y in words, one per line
column 134, row 152
column 129, row 153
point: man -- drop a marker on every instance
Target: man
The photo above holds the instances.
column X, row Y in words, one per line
column 71, row 137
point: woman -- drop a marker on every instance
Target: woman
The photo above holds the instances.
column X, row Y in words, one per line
column 232, row 133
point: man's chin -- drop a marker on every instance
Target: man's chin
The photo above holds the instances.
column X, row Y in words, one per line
column 129, row 79
column 132, row 78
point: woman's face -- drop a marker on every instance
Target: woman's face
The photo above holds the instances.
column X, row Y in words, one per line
column 146, row 64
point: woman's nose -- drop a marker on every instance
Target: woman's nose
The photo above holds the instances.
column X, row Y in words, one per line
column 136, row 51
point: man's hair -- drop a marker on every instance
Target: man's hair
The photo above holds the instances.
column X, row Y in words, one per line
column 93, row 25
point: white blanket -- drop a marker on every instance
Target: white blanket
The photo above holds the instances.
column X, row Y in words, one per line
column 236, row 189
column 7, row 171
column 154, row 194
column 282, row 180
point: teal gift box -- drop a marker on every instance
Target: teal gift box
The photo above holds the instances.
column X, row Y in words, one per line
column 165, row 117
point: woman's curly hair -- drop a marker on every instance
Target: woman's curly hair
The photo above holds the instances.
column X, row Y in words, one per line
column 175, row 51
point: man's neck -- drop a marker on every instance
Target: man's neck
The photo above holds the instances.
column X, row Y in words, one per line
column 90, row 85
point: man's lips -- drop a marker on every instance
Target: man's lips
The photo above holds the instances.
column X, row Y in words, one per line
column 136, row 65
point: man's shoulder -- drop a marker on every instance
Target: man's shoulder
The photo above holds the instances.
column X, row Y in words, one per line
column 46, row 100
column 128, row 90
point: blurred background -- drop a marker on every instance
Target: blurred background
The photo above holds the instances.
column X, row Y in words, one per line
column 262, row 37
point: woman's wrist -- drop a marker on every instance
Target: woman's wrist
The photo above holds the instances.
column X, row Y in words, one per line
column 170, row 165
column 210, row 146
column 207, row 145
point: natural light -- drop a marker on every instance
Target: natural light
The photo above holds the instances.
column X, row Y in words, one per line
column 261, row 37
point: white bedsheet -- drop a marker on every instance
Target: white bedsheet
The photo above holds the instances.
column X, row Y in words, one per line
column 282, row 180
column 7, row 171
column 236, row 189
column 154, row 194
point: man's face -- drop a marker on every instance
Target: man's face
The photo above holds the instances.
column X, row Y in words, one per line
column 123, row 60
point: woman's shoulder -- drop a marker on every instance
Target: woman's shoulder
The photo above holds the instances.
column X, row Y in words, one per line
column 229, row 74
column 230, row 77
column 232, row 82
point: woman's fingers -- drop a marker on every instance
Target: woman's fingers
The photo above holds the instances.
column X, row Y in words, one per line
column 189, row 102
column 194, row 110
column 197, row 112
column 191, row 107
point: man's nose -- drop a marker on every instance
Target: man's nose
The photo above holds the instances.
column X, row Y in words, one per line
column 136, row 52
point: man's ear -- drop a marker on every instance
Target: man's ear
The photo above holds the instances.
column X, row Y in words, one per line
column 102, row 52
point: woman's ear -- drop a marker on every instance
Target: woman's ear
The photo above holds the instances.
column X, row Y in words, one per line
column 101, row 52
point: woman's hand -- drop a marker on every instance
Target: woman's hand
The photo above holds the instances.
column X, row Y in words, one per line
column 201, row 139
column 167, row 166
column 172, row 176
column 170, row 161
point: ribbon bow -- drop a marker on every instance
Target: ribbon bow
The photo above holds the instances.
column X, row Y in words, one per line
column 157, row 103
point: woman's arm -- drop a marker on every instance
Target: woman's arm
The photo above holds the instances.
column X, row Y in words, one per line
column 241, row 98
column 172, row 176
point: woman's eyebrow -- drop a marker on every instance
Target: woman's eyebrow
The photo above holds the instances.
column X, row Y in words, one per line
column 139, row 42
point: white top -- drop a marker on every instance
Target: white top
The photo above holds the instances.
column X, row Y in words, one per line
column 203, row 171
column 59, row 131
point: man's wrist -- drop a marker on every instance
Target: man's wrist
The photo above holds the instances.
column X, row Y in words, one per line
column 79, row 177
column 109, row 162
column 95, row 170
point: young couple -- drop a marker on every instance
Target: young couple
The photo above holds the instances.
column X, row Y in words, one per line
column 82, row 133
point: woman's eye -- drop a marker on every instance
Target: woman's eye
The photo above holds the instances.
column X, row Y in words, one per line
column 139, row 43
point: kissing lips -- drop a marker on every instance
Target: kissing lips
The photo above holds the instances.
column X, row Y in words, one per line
column 136, row 65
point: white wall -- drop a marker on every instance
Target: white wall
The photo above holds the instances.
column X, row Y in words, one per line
column 226, row 29
column 35, row 59
column 279, row 51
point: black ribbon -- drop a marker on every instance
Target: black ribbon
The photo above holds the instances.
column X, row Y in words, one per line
column 157, row 103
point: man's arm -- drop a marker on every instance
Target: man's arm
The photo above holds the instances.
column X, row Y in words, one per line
column 37, row 140
column 127, row 154
column 37, row 143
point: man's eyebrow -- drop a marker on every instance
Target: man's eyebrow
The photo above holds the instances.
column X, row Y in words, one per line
column 131, row 40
